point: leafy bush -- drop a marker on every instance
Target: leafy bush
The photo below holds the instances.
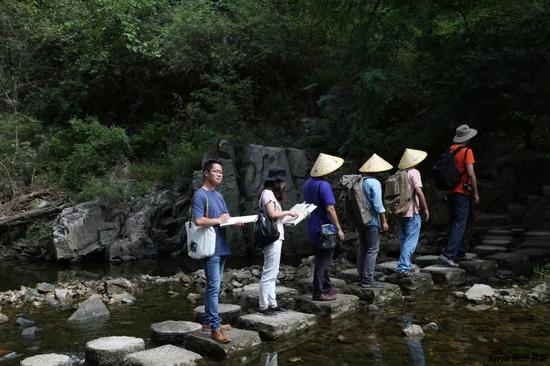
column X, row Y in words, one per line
column 115, row 193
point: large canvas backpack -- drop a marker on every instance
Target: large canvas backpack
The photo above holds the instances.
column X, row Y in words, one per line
column 397, row 193
column 445, row 171
column 355, row 203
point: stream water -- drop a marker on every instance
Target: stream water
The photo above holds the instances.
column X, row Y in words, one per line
column 500, row 336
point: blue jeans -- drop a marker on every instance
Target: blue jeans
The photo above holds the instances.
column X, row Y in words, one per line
column 367, row 253
column 409, row 231
column 459, row 210
column 213, row 269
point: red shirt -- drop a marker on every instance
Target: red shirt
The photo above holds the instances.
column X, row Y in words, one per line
column 462, row 158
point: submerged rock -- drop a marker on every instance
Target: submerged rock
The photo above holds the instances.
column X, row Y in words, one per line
column 413, row 330
column 480, row 293
column 90, row 310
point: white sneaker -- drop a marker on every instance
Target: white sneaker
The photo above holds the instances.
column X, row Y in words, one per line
column 447, row 261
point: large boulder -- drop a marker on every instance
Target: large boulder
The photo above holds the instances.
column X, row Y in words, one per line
column 76, row 231
column 90, row 310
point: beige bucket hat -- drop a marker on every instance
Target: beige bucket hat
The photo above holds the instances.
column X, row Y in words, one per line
column 411, row 158
column 325, row 164
column 464, row 133
column 375, row 164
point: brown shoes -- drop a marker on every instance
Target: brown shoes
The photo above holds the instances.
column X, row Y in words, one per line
column 333, row 291
column 324, row 297
column 219, row 336
column 224, row 327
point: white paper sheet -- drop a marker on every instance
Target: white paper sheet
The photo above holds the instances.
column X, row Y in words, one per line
column 303, row 209
column 244, row 219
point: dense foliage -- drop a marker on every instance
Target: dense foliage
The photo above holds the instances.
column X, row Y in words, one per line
column 102, row 97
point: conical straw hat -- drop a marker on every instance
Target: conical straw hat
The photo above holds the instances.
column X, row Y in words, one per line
column 411, row 158
column 375, row 164
column 325, row 164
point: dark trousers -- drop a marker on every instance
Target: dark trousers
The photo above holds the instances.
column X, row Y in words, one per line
column 367, row 252
column 321, row 279
column 459, row 211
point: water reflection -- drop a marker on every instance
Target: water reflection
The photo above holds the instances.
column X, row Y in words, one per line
column 269, row 359
column 413, row 343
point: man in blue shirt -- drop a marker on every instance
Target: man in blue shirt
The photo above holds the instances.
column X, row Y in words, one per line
column 209, row 209
column 317, row 190
column 370, row 233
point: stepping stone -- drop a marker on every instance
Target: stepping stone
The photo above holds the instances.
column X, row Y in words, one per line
column 426, row 260
column 328, row 309
column 249, row 296
column 50, row 359
column 306, row 284
column 390, row 267
column 487, row 250
column 112, row 350
column 488, row 219
column 289, row 323
column 500, row 232
column 171, row 331
column 532, row 199
column 481, row 268
column 377, row 296
column 516, row 212
column 497, row 241
column 229, row 313
column 203, row 344
column 538, row 234
column 417, row 284
column 517, row 231
column 167, row 355
column 517, row 261
column 446, row 275
column 546, row 191
column 536, row 243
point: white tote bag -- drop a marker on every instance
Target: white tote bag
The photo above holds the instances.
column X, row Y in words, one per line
column 201, row 240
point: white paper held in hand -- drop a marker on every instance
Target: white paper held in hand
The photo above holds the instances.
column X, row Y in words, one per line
column 240, row 219
column 303, row 209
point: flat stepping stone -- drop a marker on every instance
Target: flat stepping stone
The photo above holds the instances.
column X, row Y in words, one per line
column 50, row 359
column 377, row 296
column 112, row 350
column 426, row 260
column 229, row 313
column 481, row 268
column 488, row 219
column 167, row 355
column 538, row 234
column 419, row 283
column 171, row 331
column 497, row 241
column 241, row 341
column 249, row 296
column 546, row 191
column 487, row 250
column 500, row 232
column 446, row 275
column 536, row 243
column 306, row 284
column 328, row 309
column 289, row 323
column 391, row 266
column 517, row 261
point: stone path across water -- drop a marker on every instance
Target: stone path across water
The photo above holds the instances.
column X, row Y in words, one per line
column 108, row 351
column 328, row 309
column 241, row 340
column 289, row 323
column 229, row 313
column 173, row 332
column 167, row 355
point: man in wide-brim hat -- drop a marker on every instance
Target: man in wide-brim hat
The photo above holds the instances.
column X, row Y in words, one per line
column 317, row 190
column 459, row 198
column 411, row 222
column 370, row 233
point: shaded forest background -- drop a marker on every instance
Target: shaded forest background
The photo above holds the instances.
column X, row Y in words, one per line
column 107, row 98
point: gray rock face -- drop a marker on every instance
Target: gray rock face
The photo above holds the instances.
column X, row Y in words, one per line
column 90, row 310
column 480, row 293
column 420, row 283
column 481, row 268
column 289, row 323
column 51, row 359
column 377, row 296
column 446, row 275
column 241, row 341
column 167, row 355
column 171, row 331
column 76, row 231
column 108, row 351
column 229, row 313
column 328, row 309
column 249, row 296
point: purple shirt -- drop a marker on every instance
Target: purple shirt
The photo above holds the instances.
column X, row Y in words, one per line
column 318, row 192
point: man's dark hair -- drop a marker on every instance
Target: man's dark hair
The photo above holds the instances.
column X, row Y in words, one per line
column 209, row 164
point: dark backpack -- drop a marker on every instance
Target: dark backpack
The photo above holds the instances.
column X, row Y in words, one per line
column 265, row 230
column 445, row 171
column 355, row 203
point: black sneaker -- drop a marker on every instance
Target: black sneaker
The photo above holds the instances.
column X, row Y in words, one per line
column 279, row 309
column 267, row 312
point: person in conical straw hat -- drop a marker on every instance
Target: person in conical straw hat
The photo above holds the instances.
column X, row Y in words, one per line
column 411, row 222
column 317, row 190
column 460, row 197
column 369, row 237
